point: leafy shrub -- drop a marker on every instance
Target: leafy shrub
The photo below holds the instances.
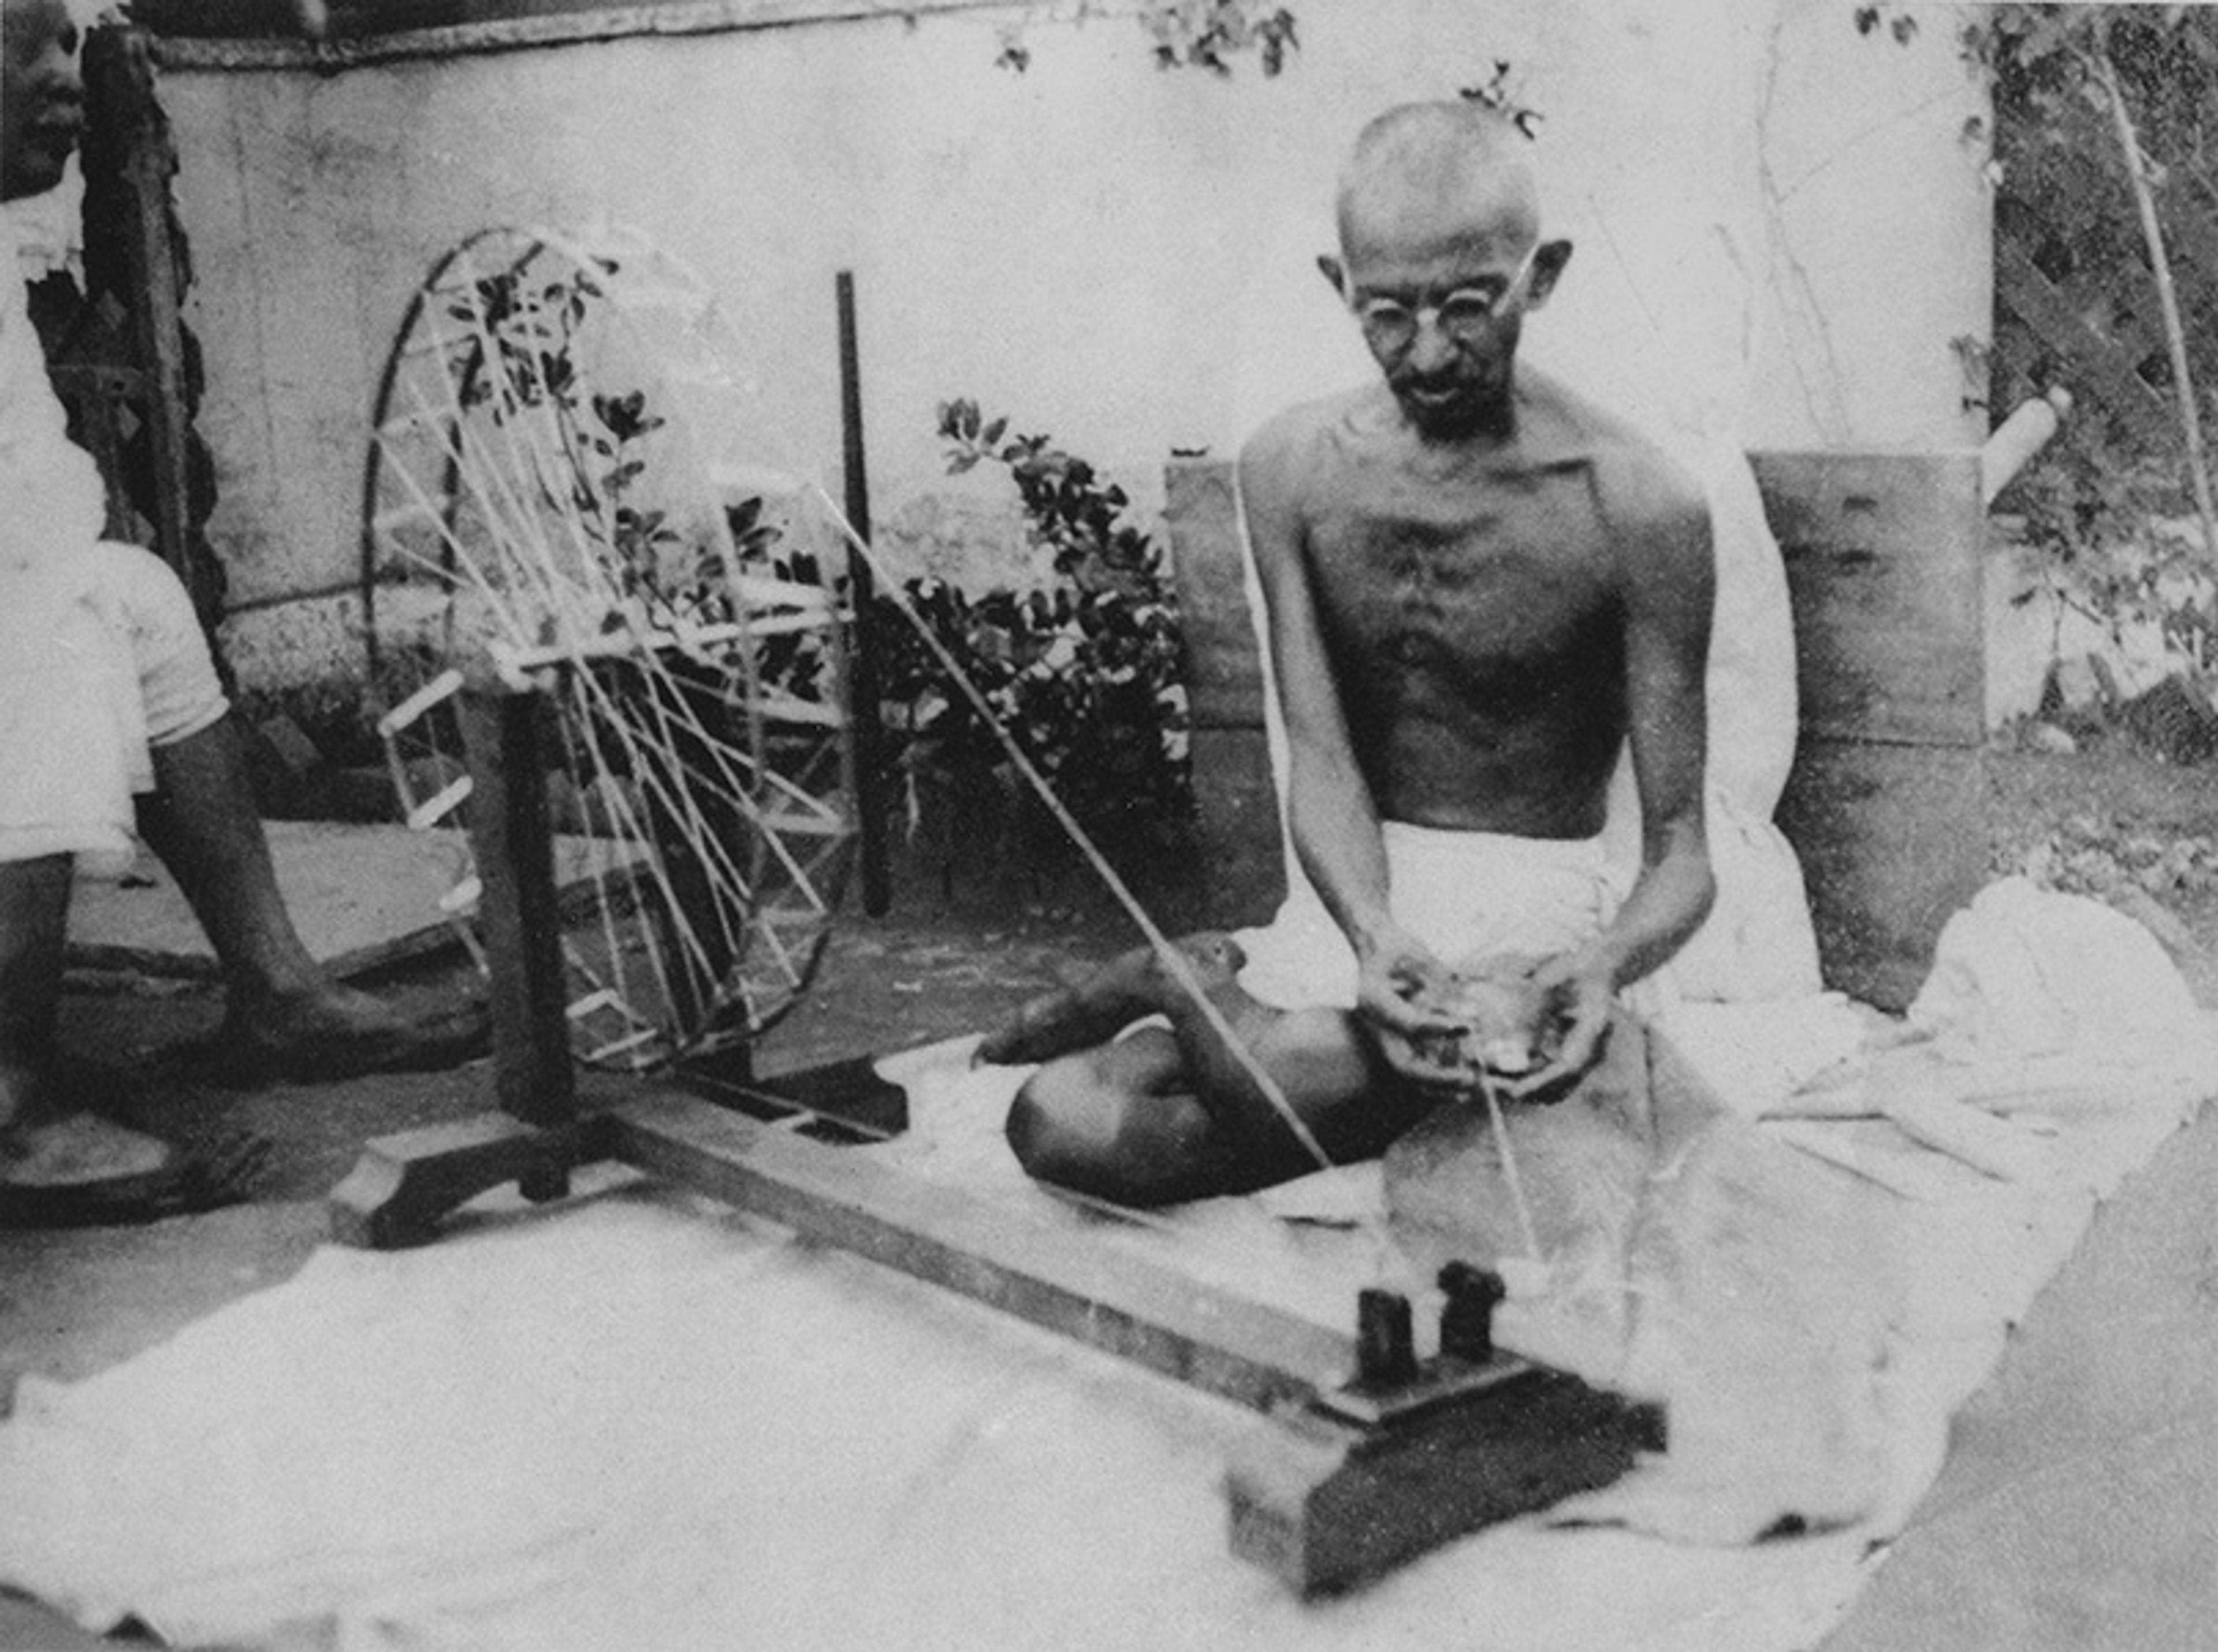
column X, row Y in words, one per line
column 1084, row 676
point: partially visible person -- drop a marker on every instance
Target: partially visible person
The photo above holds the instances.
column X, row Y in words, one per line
column 111, row 715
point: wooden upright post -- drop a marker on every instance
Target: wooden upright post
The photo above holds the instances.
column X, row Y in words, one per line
column 403, row 1185
column 863, row 671
column 518, row 914
column 134, row 252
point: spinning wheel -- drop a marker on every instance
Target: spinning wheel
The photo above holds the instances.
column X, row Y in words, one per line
column 574, row 565
column 560, row 490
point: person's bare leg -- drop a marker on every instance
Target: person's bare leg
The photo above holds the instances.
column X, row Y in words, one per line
column 1121, row 991
column 33, row 923
column 60, row 1165
column 1121, row 1121
column 285, row 1013
column 1168, row 1114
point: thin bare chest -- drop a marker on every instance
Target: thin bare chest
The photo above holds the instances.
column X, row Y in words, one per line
column 1490, row 586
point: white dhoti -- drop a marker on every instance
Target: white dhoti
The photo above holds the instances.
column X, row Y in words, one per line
column 1464, row 894
column 102, row 657
column 100, row 653
column 1758, row 943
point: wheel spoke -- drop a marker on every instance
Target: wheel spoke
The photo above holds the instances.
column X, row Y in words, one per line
column 550, row 479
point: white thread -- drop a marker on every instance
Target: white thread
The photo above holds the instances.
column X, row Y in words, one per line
column 1509, row 1168
column 1174, row 960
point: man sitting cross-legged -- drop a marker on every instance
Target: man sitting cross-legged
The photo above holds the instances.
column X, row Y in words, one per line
column 1479, row 589
column 106, row 689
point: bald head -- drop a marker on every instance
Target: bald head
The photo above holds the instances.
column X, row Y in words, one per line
column 1441, row 258
column 1457, row 169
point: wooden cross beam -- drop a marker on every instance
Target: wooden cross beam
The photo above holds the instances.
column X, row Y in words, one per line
column 1365, row 1458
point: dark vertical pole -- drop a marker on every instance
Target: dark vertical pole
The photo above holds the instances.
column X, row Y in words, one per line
column 878, row 889
column 133, row 253
column 517, row 912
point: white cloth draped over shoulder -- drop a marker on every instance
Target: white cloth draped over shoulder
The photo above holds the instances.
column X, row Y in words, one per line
column 72, row 732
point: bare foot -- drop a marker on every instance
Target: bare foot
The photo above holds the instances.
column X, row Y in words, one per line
column 76, row 1147
column 1099, row 1007
column 340, row 1032
column 81, row 1169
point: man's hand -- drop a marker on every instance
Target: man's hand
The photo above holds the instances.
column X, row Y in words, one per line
column 1406, row 997
column 1577, row 992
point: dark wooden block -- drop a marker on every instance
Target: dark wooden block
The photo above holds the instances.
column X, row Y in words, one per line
column 1326, row 1508
column 1893, row 839
column 1237, row 819
column 845, row 1093
column 1883, row 561
column 1224, row 669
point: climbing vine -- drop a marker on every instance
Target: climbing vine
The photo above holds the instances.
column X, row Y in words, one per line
column 1208, row 34
column 2108, row 518
column 1502, row 91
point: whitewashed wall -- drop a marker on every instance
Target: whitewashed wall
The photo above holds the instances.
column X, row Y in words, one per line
column 1780, row 230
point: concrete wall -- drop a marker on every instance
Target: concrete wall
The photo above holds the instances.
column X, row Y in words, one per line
column 1780, row 230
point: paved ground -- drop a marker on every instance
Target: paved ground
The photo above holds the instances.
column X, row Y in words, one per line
column 2076, row 1511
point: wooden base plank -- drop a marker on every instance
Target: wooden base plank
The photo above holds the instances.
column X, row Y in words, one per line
column 846, row 1094
column 1109, row 1299
column 1351, row 1479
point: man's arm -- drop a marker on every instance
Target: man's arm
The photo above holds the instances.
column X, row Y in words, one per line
column 1669, row 583
column 1331, row 811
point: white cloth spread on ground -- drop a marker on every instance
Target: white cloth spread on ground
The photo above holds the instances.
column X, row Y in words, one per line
column 642, row 1423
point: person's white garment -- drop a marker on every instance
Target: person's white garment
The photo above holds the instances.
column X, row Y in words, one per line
column 1467, row 895
column 71, row 740
column 52, row 489
column 1758, row 942
column 101, row 654
column 48, row 229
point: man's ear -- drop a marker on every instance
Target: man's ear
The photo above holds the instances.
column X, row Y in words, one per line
column 1548, row 261
column 1335, row 273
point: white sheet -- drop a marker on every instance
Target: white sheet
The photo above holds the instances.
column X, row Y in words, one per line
column 644, row 1423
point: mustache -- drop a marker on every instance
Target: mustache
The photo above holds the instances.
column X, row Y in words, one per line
column 1435, row 384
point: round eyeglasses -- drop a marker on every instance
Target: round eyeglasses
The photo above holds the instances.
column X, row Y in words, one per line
column 1464, row 314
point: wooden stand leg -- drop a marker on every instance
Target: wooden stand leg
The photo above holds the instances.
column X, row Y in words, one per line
column 404, row 1184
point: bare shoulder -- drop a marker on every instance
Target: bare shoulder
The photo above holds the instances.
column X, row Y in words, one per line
column 1650, row 496
column 1659, row 513
column 1289, row 451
